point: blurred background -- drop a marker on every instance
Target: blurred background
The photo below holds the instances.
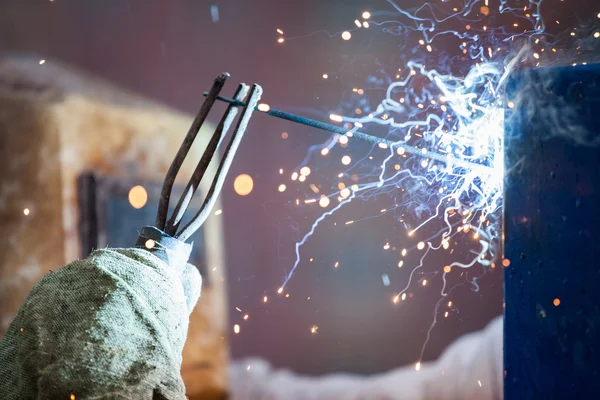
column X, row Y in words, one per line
column 339, row 315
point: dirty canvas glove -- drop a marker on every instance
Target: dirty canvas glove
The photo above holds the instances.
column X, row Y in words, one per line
column 111, row 326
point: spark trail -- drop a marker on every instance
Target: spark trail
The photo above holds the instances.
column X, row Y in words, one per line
column 449, row 103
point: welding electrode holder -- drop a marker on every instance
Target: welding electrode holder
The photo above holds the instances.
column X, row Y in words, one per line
column 166, row 240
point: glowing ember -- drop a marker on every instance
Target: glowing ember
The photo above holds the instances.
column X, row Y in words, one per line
column 556, row 302
column 305, row 171
column 324, row 201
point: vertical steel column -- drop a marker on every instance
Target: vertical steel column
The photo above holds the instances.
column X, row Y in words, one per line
column 552, row 234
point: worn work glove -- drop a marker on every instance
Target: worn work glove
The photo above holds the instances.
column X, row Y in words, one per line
column 111, row 326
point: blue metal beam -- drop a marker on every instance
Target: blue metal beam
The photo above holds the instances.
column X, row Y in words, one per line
column 552, row 234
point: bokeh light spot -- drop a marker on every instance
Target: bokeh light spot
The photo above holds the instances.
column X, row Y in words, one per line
column 138, row 197
column 243, row 184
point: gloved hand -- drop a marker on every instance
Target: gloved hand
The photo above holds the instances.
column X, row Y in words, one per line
column 111, row 326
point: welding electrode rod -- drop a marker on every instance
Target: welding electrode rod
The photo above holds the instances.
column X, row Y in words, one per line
column 358, row 135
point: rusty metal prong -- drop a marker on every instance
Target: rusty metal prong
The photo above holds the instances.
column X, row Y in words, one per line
column 217, row 184
column 207, row 156
column 165, row 195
